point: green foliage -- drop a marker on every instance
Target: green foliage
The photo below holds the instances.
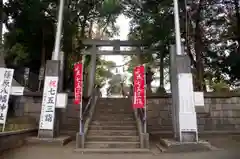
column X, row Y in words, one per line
column 32, row 25
column 220, row 87
column 25, row 22
column 18, row 55
column 103, row 71
column 111, row 7
column 216, row 41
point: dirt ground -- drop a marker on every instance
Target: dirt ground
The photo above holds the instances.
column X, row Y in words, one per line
column 228, row 148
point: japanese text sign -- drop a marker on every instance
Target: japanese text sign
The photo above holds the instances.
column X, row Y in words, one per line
column 78, row 82
column 6, row 76
column 139, row 87
column 48, row 103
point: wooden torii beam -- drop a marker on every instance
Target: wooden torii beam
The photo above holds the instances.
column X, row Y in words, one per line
column 116, row 52
column 99, row 43
column 116, row 44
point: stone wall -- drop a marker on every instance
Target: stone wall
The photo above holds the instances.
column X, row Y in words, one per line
column 220, row 113
column 30, row 105
column 15, row 139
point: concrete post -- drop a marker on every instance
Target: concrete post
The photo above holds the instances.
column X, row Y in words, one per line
column 174, row 90
column 58, row 113
column 52, row 69
column 57, row 44
column 184, row 115
column 61, row 72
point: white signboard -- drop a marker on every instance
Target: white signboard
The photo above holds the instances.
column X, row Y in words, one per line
column 17, row 91
column 186, row 95
column 198, row 99
column 48, row 103
column 62, row 100
column 188, row 121
column 6, row 76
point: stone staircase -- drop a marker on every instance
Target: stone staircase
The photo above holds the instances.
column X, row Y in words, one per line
column 113, row 126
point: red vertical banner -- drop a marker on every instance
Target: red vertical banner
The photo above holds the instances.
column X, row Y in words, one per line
column 78, row 82
column 139, row 87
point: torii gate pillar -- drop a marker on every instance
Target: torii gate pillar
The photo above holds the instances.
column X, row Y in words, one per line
column 92, row 71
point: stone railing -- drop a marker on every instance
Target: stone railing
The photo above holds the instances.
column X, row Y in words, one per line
column 221, row 113
column 14, row 139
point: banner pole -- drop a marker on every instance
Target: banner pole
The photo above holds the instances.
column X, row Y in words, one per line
column 145, row 106
column 81, row 131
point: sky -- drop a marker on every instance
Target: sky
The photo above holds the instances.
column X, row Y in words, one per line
column 123, row 23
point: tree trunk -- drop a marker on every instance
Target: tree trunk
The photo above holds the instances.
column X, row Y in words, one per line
column 237, row 8
column 198, row 50
column 90, row 30
column 43, row 56
column 83, row 25
column 67, row 48
column 161, row 71
column 1, row 21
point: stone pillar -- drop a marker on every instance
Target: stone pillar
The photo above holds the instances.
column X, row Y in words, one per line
column 174, row 90
column 92, row 71
column 58, row 113
column 61, row 73
column 52, row 69
column 184, row 115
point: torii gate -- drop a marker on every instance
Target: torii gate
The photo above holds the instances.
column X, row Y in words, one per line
column 184, row 115
column 116, row 44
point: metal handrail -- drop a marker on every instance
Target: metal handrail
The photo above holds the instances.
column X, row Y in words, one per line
column 141, row 113
column 86, row 109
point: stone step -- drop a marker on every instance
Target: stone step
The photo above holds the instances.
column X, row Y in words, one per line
column 116, row 118
column 114, row 103
column 105, row 112
column 112, row 132
column 113, row 109
column 112, row 144
column 71, row 133
column 70, row 127
column 60, row 140
column 120, row 103
column 112, row 123
column 117, row 112
column 126, row 112
column 113, row 99
column 113, row 151
column 113, row 138
column 112, row 127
